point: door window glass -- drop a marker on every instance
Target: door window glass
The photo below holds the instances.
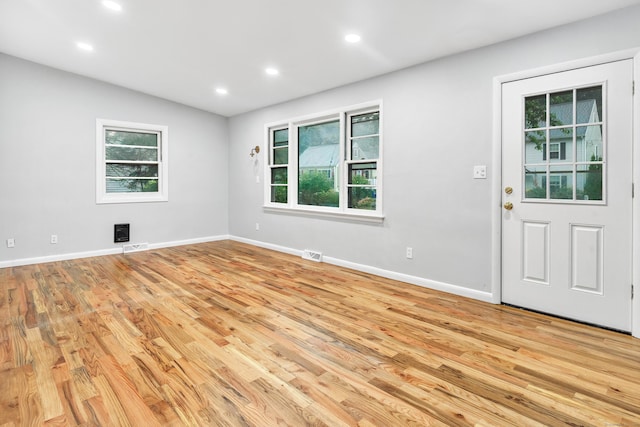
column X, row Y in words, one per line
column 564, row 155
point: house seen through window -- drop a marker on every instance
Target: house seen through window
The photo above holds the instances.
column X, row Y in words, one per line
column 564, row 145
column 331, row 163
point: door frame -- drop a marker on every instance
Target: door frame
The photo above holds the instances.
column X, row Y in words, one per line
column 496, row 192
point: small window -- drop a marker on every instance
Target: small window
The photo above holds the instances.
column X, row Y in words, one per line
column 565, row 146
column 131, row 162
column 557, row 151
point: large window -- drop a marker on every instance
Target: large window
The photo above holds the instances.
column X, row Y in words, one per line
column 327, row 163
column 131, row 162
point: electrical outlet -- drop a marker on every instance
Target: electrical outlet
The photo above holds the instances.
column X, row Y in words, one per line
column 257, row 179
column 54, row 239
column 257, row 226
column 11, row 243
column 409, row 253
column 480, row 172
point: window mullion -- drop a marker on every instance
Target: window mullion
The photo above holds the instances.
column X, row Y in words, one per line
column 147, row 147
column 133, row 162
column 293, row 172
column 345, row 151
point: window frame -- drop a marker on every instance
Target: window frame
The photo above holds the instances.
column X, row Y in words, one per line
column 272, row 165
column 102, row 196
column 547, row 163
column 349, row 157
column 344, row 115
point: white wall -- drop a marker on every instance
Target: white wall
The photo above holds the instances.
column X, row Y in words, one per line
column 437, row 126
column 47, row 165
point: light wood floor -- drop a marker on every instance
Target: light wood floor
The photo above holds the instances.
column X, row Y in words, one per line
column 233, row 335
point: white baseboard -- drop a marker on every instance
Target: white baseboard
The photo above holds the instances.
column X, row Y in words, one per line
column 103, row 252
column 414, row 280
column 60, row 257
column 267, row 245
column 189, row 241
column 401, row 277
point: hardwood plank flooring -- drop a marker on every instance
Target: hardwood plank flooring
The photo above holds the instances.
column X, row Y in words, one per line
column 227, row 334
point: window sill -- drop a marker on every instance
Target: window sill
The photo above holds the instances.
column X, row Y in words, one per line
column 138, row 198
column 371, row 218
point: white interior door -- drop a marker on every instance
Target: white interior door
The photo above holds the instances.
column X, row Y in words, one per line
column 567, row 178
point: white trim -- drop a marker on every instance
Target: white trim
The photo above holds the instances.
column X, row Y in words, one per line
column 401, row 277
column 162, row 195
column 318, row 212
column 102, row 252
column 496, row 194
column 265, row 245
column 567, row 66
column 635, row 304
column 413, row 280
column 323, row 115
column 62, row 257
column 188, row 241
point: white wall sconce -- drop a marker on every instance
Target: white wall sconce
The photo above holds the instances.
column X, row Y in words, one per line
column 255, row 150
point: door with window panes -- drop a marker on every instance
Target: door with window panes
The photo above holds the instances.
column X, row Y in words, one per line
column 567, row 194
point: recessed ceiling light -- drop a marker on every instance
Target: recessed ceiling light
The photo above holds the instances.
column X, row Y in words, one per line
column 352, row 38
column 112, row 5
column 272, row 71
column 221, row 91
column 84, row 46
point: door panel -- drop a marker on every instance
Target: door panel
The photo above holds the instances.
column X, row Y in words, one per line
column 566, row 226
column 587, row 262
column 535, row 252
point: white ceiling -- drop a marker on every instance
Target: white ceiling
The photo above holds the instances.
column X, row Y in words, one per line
column 183, row 50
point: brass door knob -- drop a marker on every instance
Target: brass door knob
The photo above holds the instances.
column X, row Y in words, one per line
column 508, row 206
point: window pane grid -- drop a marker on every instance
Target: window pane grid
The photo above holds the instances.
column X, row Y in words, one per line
column 278, row 165
column 331, row 161
column 122, row 145
column 564, row 145
column 364, row 136
column 363, row 151
column 131, row 162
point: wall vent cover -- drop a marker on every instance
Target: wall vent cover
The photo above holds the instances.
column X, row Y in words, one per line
column 120, row 233
column 312, row 255
column 135, row 247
